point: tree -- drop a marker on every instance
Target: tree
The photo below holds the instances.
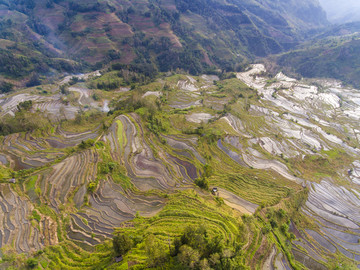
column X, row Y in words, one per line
column 121, row 244
column 202, row 182
column 64, row 89
column 284, row 228
column 86, row 144
column 34, row 81
column 25, row 105
column 188, row 256
column 92, row 186
column 6, row 87
column 156, row 252
column 31, row 263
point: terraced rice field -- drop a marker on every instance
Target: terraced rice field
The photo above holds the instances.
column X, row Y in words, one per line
column 261, row 151
column 16, row 229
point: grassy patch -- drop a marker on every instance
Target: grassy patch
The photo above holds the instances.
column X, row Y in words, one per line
column 5, row 173
column 31, row 182
column 121, row 135
column 316, row 167
column 259, row 189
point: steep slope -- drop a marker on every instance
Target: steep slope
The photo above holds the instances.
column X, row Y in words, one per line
column 23, row 50
column 168, row 34
column 334, row 56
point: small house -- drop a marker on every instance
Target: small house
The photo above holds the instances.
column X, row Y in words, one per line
column 214, row 190
column 118, row 259
column 12, row 181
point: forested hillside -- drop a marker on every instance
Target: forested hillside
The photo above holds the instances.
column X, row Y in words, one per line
column 46, row 35
column 334, row 53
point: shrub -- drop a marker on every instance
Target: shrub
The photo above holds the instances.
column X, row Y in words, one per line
column 121, row 244
column 33, row 81
column 73, row 80
column 273, row 223
column 32, row 263
column 95, row 97
column 64, row 89
column 86, row 144
column 92, row 186
column 202, row 183
column 284, row 228
column 25, row 105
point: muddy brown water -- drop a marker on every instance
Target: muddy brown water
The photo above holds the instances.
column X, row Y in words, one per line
column 190, row 168
column 58, row 144
column 18, row 164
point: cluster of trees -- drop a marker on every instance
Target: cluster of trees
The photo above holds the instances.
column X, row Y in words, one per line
column 121, row 244
column 24, row 120
column 202, row 181
column 211, row 135
column 86, row 144
column 25, row 106
column 156, row 123
column 13, row 65
column 108, row 85
column 6, row 87
column 196, row 248
column 31, row 62
column 132, row 73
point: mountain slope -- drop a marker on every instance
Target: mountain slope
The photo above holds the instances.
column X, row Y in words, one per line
column 168, row 34
column 330, row 56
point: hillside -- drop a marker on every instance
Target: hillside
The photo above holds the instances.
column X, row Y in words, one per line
column 333, row 54
column 139, row 160
column 150, row 35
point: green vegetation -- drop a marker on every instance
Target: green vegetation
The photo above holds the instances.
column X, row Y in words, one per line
column 196, row 249
column 218, row 230
column 23, row 121
column 121, row 244
column 323, row 165
column 6, row 87
column 5, row 173
column 334, row 59
column 164, row 41
column 129, row 189
column 257, row 189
